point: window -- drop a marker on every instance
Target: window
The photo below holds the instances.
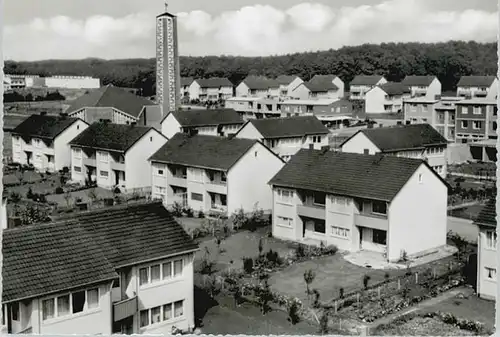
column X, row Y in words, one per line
column 143, row 276
column 14, row 311
column 155, row 315
column 316, row 139
column 160, row 190
column 285, row 196
column 144, row 319
column 476, row 110
column 491, row 273
column 420, row 178
column 178, row 308
column 178, row 268
column 491, row 239
column 103, row 174
column 319, row 199
column 424, row 107
column 103, row 157
column 476, row 125
column 366, row 151
column 155, row 273
column 197, row 196
column 379, row 207
column 167, row 312
column 166, row 270
column 116, row 283
column 464, row 124
column 78, row 301
column 77, row 169
column 285, row 222
column 465, row 110
column 340, row 232
column 48, row 308
column 63, row 305
column 77, row 153
column 159, row 172
column 319, row 227
column 379, row 237
column 197, row 175
column 223, row 199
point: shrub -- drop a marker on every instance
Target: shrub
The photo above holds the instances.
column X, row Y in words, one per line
column 309, row 276
column 248, row 265
column 239, row 219
column 366, row 278
column 29, row 194
column 65, row 170
column 177, row 209
column 273, row 258
column 117, row 190
column 316, row 298
column 300, row 251
column 341, row 293
column 201, row 215
column 293, row 312
column 59, row 190
column 42, row 198
column 323, row 323
column 189, row 212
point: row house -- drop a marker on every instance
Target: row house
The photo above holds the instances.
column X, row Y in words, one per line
column 114, row 155
column 211, row 89
column 214, row 174
column 386, row 98
column 417, row 141
column 333, row 113
column 125, row 269
column 360, row 202
column 255, row 107
column 212, row 122
column 287, row 84
column 258, row 86
column 361, row 84
column 476, row 119
column 42, row 141
column 487, row 256
column 115, row 105
column 320, row 87
column 286, row 135
column 185, row 84
column 478, row 87
column 23, row 81
column 423, row 86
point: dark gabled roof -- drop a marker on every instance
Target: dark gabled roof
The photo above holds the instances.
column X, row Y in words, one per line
column 488, row 215
column 186, row 81
column 110, row 96
column 115, row 137
column 283, row 127
column 285, row 79
column 366, row 80
column 206, row 117
column 395, row 88
column 403, row 137
column 86, row 248
column 476, row 81
column 414, row 80
column 212, row 152
column 214, row 82
column 260, row 83
column 376, row 177
column 47, row 127
column 321, row 83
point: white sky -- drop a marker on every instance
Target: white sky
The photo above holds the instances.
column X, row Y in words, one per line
column 62, row 29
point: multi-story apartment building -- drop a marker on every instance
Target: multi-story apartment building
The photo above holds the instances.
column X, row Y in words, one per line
column 418, row 141
column 487, row 255
column 286, row 135
column 114, row 155
column 320, row 87
column 115, row 105
column 423, row 86
column 214, row 174
column 287, row 84
column 361, row 84
column 258, row 86
column 386, row 98
column 360, row 202
column 478, row 87
column 185, row 84
column 24, row 81
column 334, row 113
column 125, row 269
column 476, row 119
column 43, row 141
column 213, row 122
column 72, row 82
column 211, row 89
column 419, row 110
column 254, row 107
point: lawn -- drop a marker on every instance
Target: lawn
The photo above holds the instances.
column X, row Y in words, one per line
column 474, row 168
column 469, row 212
column 420, row 326
column 83, row 194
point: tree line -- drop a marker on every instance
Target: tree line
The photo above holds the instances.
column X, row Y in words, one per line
column 448, row 61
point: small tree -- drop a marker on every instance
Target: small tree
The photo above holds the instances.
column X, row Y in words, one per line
column 316, row 294
column 323, row 323
column 309, row 276
column 92, row 194
column 67, row 197
column 29, row 194
column 366, row 279
column 248, row 265
column 341, row 293
column 293, row 312
column 264, row 297
column 261, row 246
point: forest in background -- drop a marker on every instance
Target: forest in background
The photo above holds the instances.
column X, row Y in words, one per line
column 448, row 61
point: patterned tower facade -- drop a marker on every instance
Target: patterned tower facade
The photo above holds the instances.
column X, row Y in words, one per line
column 167, row 63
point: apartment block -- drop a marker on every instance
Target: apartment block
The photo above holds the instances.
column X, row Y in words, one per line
column 115, row 155
column 258, row 86
column 211, row 89
column 333, row 113
column 185, row 84
column 423, row 86
column 214, row 174
column 360, row 202
column 287, row 84
column 361, row 84
column 320, row 87
column 125, row 269
column 386, row 98
column 285, row 136
column 43, row 141
column 254, row 107
column 476, row 120
column 478, row 87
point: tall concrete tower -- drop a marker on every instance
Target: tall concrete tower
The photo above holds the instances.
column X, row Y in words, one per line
column 168, row 79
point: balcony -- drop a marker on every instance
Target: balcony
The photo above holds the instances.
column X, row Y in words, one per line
column 312, row 211
column 463, row 92
column 177, row 180
column 216, row 186
column 421, row 91
column 372, row 221
column 481, row 93
column 90, row 161
column 124, row 309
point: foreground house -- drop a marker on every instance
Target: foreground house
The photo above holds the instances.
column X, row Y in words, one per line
column 214, row 122
column 115, row 105
column 285, row 136
column 423, row 86
column 360, row 202
column 478, row 87
column 320, row 87
column 43, row 141
column 214, row 174
column 361, row 84
column 386, row 98
column 115, row 155
column 418, row 141
column 487, row 256
column 126, row 269
column 211, row 89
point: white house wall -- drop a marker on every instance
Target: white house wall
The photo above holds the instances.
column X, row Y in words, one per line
column 358, row 143
column 374, row 101
column 300, row 92
column 249, row 132
column 194, row 90
column 434, row 89
column 62, row 149
column 170, row 126
column 487, row 258
column 340, row 84
column 418, row 215
column 242, row 90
